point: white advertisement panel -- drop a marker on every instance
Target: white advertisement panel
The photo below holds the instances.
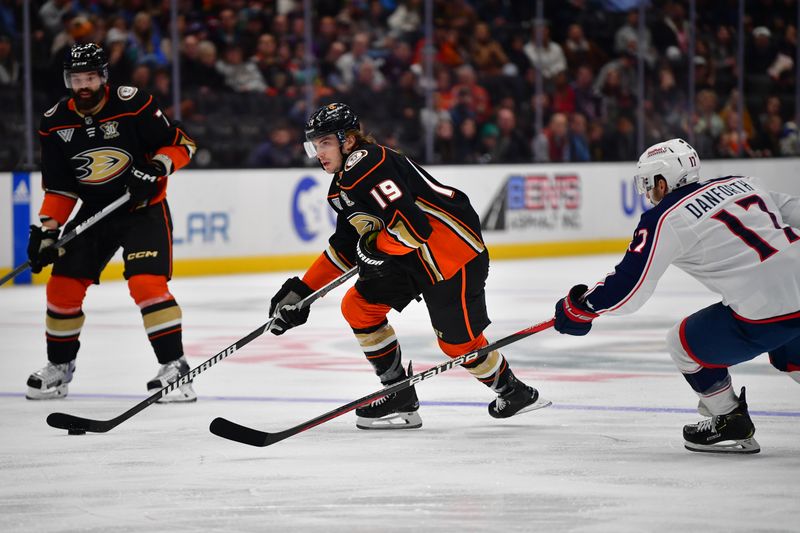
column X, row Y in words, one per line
column 223, row 216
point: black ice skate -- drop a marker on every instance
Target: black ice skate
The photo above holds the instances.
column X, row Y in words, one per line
column 520, row 398
column 730, row 433
column 51, row 382
column 393, row 411
column 167, row 374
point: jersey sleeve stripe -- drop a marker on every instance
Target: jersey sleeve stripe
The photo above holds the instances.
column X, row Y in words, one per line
column 368, row 172
column 340, row 262
column 414, row 235
column 427, row 256
column 327, row 267
column 58, row 205
column 400, row 232
column 458, row 227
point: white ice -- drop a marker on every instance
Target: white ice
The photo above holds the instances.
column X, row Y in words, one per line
column 607, row 456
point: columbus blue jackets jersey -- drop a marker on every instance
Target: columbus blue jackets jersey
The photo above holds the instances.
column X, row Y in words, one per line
column 732, row 235
column 87, row 156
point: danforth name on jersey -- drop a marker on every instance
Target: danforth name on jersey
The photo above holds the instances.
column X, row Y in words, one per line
column 729, row 233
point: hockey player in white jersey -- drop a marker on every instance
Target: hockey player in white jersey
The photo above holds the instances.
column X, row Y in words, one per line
column 739, row 240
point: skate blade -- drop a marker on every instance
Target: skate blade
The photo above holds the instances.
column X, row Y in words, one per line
column 540, row 403
column 728, row 446
column 49, row 394
column 404, row 420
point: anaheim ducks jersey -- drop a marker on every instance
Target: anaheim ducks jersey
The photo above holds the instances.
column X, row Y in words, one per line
column 431, row 229
column 736, row 238
column 87, row 156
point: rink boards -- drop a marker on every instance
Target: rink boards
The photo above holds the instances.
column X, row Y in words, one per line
column 236, row 221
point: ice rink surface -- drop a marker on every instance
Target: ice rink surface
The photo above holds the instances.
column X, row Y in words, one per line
column 608, row 455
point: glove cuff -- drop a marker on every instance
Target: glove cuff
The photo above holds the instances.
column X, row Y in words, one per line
column 574, row 307
column 298, row 286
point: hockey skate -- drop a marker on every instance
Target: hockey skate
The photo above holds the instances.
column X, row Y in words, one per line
column 520, row 398
column 393, row 411
column 730, row 433
column 51, row 382
column 167, row 374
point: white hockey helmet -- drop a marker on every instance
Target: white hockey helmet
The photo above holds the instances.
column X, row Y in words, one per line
column 674, row 160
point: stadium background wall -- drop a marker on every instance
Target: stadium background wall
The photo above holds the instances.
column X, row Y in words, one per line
column 238, row 221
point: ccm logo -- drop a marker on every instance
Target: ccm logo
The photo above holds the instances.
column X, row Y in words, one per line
column 143, row 175
column 141, row 255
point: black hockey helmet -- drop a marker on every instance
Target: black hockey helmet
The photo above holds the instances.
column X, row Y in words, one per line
column 332, row 118
column 86, row 58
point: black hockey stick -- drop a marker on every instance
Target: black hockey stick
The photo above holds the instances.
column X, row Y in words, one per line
column 80, row 228
column 232, row 431
column 71, row 422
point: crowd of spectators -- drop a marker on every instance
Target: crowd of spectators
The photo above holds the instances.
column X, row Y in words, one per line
column 244, row 70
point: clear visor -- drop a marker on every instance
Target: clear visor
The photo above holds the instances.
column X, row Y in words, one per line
column 311, row 150
column 322, row 143
column 68, row 76
column 642, row 183
column 645, row 177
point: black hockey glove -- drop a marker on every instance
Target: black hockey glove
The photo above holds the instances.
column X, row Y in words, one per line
column 372, row 263
column 143, row 182
column 283, row 306
column 40, row 247
column 573, row 316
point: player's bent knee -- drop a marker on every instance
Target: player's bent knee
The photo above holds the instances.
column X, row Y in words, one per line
column 66, row 294
column 359, row 313
column 148, row 289
column 677, row 351
column 454, row 350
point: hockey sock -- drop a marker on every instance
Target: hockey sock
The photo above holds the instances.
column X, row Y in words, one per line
column 491, row 369
column 64, row 317
column 160, row 313
column 62, row 332
column 713, row 387
column 380, row 346
column 162, row 322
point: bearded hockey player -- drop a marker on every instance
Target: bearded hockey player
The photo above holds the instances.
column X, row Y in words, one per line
column 409, row 235
column 96, row 144
column 737, row 239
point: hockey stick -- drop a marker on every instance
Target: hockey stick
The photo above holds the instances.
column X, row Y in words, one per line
column 232, row 431
column 80, row 228
column 71, row 422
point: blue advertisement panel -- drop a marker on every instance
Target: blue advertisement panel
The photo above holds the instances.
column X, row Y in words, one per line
column 21, row 187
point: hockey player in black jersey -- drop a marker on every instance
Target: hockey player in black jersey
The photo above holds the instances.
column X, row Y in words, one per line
column 96, row 144
column 409, row 235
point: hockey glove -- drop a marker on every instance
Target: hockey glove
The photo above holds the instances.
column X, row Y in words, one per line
column 372, row 263
column 143, row 182
column 40, row 247
column 283, row 306
column 573, row 316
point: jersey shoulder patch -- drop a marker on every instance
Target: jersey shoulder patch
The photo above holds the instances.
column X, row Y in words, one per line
column 52, row 111
column 126, row 99
column 126, row 93
column 354, row 158
column 361, row 163
column 58, row 116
